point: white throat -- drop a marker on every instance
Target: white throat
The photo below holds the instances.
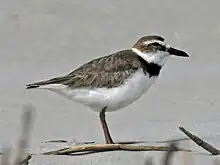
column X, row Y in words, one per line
column 159, row 58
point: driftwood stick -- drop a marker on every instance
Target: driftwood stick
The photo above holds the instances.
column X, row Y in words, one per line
column 201, row 142
column 55, row 141
column 108, row 147
column 124, row 142
column 118, row 142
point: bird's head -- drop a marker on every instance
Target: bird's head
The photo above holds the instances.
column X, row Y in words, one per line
column 153, row 49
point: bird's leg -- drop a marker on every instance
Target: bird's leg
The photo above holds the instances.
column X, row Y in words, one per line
column 108, row 138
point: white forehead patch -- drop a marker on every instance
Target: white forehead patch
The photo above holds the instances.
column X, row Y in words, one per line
column 152, row 41
column 159, row 58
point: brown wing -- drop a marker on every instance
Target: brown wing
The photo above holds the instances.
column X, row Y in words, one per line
column 109, row 71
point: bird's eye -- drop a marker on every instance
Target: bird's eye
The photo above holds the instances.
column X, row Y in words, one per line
column 159, row 46
column 155, row 44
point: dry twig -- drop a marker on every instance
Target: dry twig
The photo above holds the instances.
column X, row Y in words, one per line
column 200, row 142
column 108, row 147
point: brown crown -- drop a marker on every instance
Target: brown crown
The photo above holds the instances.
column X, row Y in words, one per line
column 149, row 48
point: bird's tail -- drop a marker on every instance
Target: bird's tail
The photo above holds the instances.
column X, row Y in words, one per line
column 57, row 80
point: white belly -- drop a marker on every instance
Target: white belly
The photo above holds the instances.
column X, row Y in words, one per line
column 112, row 98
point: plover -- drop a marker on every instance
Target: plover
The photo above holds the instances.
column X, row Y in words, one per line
column 112, row 82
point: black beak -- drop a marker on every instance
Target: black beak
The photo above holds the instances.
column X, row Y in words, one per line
column 177, row 52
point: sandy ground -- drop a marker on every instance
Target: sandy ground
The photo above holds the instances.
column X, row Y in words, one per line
column 40, row 39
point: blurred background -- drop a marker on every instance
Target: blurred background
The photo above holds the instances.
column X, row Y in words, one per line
column 40, row 39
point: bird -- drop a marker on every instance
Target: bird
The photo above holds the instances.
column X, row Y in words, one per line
column 115, row 81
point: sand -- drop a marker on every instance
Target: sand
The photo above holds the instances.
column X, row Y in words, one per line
column 40, row 39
